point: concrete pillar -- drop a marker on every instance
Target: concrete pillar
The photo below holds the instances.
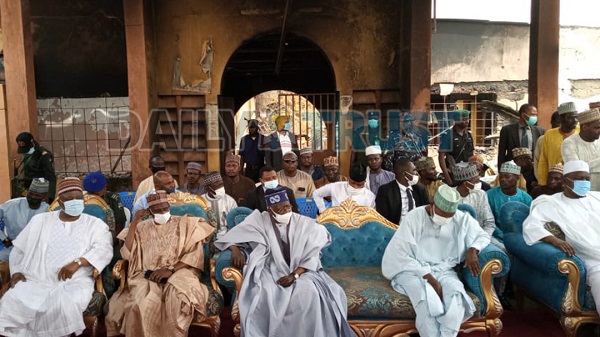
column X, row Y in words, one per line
column 5, row 162
column 415, row 55
column 21, row 102
column 140, row 74
column 543, row 58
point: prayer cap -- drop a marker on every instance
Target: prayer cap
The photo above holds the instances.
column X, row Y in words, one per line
column 566, row 108
column 26, row 138
column 510, row 167
column 194, row 166
column 330, row 161
column 212, row 177
column 588, row 116
column 252, row 122
column 358, row 172
column 156, row 198
column 424, row 163
column 477, row 159
column 575, row 166
column 69, row 184
column 464, row 171
column 521, row 151
column 94, row 182
column 463, row 112
column 276, row 196
column 558, row 168
column 39, row 185
column 306, row 150
column 232, row 158
column 373, row 149
column 446, row 198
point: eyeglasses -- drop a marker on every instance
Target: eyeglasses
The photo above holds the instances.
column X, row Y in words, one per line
column 289, row 161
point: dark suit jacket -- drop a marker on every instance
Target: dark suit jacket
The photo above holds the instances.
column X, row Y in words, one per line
column 256, row 199
column 389, row 203
column 509, row 139
column 272, row 149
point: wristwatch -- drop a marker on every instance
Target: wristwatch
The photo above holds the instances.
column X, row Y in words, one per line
column 296, row 276
column 172, row 269
column 78, row 261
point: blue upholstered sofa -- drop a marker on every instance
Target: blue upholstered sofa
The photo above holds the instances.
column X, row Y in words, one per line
column 546, row 273
column 359, row 238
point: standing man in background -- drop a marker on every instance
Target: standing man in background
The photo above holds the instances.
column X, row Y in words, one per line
column 456, row 145
column 280, row 143
column 37, row 162
column 252, row 156
column 523, row 133
column 585, row 145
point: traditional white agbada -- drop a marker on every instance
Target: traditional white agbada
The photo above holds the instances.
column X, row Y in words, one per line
column 43, row 306
column 575, row 148
column 339, row 191
column 579, row 219
column 420, row 247
column 16, row 215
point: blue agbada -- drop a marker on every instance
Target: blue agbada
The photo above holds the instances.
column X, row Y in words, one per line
column 312, row 306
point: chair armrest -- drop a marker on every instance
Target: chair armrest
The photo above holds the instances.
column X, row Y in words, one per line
column 234, row 275
column 493, row 263
column 98, row 280
column 119, row 272
column 223, row 261
column 213, row 279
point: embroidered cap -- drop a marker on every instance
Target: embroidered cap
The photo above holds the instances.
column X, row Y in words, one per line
column 588, row 116
column 358, row 172
column 39, row 185
column 477, row 159
column 446, row 198
column 424, row 163
column 194, row 166
column 567, row 107
column 330, row 161
column 232, row 158
column 575, row 166
column 558, row 168
column 306, row 150
column 276, row 196
column 373, row 149
column 94, row 182
column 212, row 177
column 464, row 171
column 521, row 151
column 510, row 167
column 156, row 198
column 69, row 184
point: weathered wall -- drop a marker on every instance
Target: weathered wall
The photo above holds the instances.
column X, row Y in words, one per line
column 475, row 51
column 361, row 43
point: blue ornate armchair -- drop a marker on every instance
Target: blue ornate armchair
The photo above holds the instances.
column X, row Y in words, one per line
column 546, row 273
column 359, row 238
column 190, row 204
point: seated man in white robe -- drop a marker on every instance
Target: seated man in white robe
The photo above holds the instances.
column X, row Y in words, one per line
column 220, row 203
column 420, row 261
column 575, row 211
column 353, row 188
column 51, row 265
column 285, row 290
column 16, row 213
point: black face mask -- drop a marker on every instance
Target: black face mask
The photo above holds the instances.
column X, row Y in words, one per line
column 170, row 190
column 34, row 202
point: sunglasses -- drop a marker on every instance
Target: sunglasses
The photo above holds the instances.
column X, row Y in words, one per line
column 289, row 161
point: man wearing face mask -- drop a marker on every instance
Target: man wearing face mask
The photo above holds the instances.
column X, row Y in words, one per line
column 37, row 162
column 156, row 164
column 51, row 264
column 353, row 188
column 279, row 252
column 586, row 145
column 220, row 203
column 268, row 179
column 16, row 213
column 575, row 211
column 523, row 133
column 163, row 181
column 420, row 261
column 166, row 256
column 466, row 176
column 279, row 143
column 395, row 199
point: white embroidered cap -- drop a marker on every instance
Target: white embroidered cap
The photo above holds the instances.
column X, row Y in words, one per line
column 575, row 166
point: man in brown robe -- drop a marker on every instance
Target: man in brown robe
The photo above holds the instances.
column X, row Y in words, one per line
column 236, row 185
column 163, row 293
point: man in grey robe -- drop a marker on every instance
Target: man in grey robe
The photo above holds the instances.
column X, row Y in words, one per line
column 285, row 290
column 420, row 261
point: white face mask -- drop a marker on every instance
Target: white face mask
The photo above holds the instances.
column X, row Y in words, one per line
column 353, row 191
column 477, row 186
column 31, row 151
column 220, row 192
column 282, row 218
column 414, row 179
column 271, row 184
column 163, row 218
column 440, row 220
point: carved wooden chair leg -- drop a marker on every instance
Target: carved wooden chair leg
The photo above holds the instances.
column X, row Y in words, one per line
column 570, row 326
column 494, row 327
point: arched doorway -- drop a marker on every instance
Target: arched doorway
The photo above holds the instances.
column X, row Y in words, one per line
column 305, row 70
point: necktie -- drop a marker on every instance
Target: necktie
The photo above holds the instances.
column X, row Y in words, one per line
column 524, row 138
column 411, row 203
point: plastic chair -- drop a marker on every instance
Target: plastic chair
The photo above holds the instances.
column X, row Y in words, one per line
column 127, row 199
column 307, row 207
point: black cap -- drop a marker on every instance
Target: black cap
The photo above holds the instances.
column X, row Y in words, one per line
column 358, row 172
column 252, row 122
column 26, row 138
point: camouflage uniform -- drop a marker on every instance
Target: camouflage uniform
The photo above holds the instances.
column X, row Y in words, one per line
column 40, row 164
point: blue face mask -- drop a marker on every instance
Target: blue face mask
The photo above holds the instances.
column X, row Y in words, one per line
column 287, row 126
column 31, row 151
column 271, row 184
column 74, row 207
column 532, row 120
column 580, row 187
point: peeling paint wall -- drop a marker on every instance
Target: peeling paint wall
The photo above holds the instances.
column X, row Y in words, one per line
column 474, row 51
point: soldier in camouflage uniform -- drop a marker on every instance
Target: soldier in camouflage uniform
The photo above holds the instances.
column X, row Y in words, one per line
column 37, row 162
